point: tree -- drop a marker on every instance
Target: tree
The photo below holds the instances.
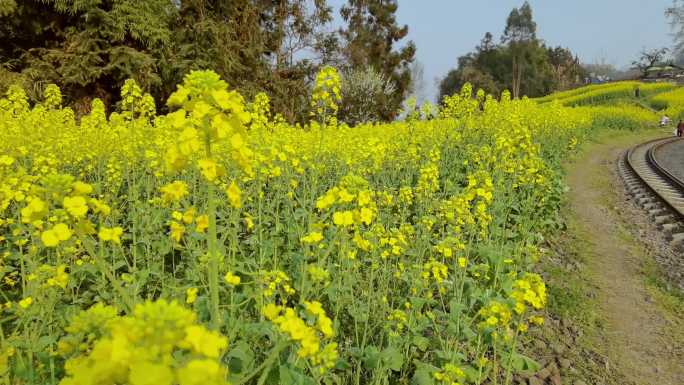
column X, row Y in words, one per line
column 521, row 36
column 473, row 68
column 486, row 44
column 87, row 47
column 371, row 35
column 90, row 48
column 521, row 62
column 418, row 86
column 606, row 70
column 675, row 14
column 256, row 45
column 296, row 28
column 566, row 67
column 363, row 91
column 649, row 58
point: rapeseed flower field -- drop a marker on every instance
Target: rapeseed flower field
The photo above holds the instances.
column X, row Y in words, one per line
column 218, row 244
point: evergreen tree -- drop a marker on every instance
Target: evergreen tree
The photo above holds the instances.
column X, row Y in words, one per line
column 521, row 36
column 89, row 48
column 371, row 34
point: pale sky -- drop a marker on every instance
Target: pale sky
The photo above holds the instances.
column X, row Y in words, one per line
column 614, row 31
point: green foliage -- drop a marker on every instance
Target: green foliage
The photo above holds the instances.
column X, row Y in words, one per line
column 252, row 44
column 86, row 47
column 371, row 34
column 521, row 63
column 89, row 48
column 363, row 93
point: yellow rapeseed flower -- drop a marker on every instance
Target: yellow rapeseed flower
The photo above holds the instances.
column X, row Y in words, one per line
column 111, row 234
column 210, row 169
column 26, row 302
column 49, row 238
column 148, row 373
column 205, row 342
column 201, row 372
column 234, row 195
column 81, row 188
column 76, row 206
column 343, row 218
column 191, row 295
column 312, row 237
column 201, row 223
column 177, row 231
column 188, row 216
column 173, row 192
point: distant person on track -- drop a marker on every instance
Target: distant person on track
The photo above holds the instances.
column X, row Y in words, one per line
column 665, row 120
column 680, row 128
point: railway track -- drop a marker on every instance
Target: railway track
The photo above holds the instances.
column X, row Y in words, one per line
column 655, row 189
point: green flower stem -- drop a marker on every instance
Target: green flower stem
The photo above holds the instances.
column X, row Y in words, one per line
column 266, row 365
column 514, row 346
column 128, row 302
column 213, row 270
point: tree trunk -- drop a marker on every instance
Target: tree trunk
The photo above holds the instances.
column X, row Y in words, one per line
column 519, row 81
column 281, row 16
column 514, row 77
column 517, row 76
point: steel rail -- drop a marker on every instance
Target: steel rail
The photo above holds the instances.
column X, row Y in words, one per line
column 655, row 188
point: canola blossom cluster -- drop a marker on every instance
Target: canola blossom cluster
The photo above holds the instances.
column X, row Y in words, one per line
column 671, row 102
column 602, row 93
column 219, row 244
column 326, row 96
column 160, row 343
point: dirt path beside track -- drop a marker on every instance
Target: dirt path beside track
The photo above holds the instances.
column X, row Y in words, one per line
column 639, row 340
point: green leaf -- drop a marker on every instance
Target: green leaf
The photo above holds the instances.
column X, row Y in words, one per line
column 468, row 333
column 240, row 358
column 292, row 376
column 422, row 377
column 455, row 309
column 371, row 357
column 44, row 342
column 522, row 363
column 422, row 343
column 472, row 374
column 423, row 373
column 392, row 358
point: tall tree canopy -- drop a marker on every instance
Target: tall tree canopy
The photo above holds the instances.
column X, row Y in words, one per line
column 675, row 14
column 89, row 48
column 371, row 35
column 649, row 58
column 256, row 45
column 520, row 62
column 521, row 36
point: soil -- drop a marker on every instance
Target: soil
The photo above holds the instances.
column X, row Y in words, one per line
column 639, row 332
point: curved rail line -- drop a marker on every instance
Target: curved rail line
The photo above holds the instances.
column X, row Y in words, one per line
column 654, row 188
